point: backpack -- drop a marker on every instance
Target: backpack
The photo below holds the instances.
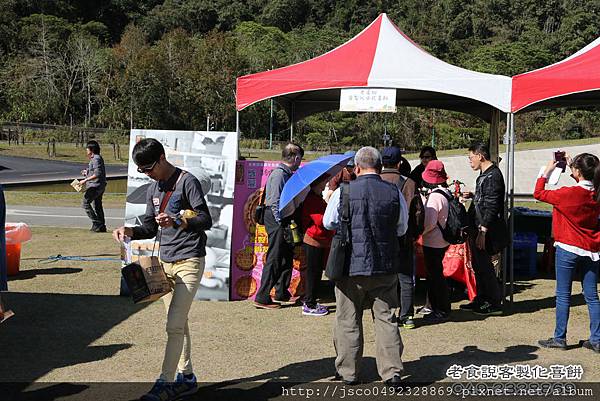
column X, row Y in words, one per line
column 416, row 213
column 455, row 230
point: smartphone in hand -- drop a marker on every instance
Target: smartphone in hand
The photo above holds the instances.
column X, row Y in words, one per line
column 561, row 158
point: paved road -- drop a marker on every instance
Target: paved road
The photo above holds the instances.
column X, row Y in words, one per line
column 60, row 216
column 19, row 170
column 527, row 166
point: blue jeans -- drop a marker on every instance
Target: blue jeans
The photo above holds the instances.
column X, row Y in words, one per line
column 566, row 263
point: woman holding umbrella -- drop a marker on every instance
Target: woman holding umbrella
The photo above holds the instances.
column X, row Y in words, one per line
column 305, row 188
column 316, row 243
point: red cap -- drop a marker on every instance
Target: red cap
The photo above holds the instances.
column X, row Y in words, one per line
column 435, row 173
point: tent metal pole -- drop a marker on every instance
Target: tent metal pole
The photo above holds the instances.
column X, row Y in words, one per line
column 505, row 262
column 511, row 229
column 271, row 127
column 494, row 136
column 237, row 132
column 292, row 122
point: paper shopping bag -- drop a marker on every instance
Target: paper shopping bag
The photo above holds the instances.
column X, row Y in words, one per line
column 146, row 279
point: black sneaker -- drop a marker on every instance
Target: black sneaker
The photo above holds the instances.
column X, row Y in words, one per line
column 395, row 381
column 589, row 345
column 470, row 306
column 487, row 309
column 553, row 343
column 100, row 229
column 406, row 322
column 436, row 317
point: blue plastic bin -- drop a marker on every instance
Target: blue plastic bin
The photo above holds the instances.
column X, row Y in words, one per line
column 525, row 253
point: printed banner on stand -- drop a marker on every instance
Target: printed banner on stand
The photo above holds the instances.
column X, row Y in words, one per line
column 210, row 156
column 250, row 240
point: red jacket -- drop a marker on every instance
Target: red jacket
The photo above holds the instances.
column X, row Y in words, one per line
column 575, row 215
column 313, row 209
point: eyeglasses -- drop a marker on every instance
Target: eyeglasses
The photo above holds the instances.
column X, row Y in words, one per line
column 146, row 169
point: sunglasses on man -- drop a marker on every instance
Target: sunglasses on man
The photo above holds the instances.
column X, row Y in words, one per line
column 146, row 169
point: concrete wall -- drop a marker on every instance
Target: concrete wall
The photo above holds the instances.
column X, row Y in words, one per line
column 527, row 166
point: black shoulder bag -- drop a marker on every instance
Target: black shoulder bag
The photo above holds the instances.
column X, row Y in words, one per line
column 338, row 263
column 259, row 212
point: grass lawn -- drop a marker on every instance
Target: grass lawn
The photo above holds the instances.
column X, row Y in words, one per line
column 59, row 199
column 535, row 205
column 67, row 152
column 51, row 241
column 70, row 326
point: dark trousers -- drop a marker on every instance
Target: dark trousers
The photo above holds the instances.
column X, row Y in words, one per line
column 314, row 271
column 488, row 288
column 437, row 288
column 406, row 281
column 96, row 213
column 277, row 271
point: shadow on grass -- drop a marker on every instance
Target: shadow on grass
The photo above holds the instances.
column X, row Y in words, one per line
column 50, row 331
column 47, row 260
column 424, row 371
column 50, row 392
column 534, row 305
column 31, row 273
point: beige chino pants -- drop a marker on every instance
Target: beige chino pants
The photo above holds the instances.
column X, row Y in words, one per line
column 185, row 276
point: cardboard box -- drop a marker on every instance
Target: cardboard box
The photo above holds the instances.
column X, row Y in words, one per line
column 76, row 186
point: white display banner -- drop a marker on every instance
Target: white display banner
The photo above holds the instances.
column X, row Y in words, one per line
column 211, row 157
column 368, row 99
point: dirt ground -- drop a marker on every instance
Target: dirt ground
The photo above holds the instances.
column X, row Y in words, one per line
column 72, row 326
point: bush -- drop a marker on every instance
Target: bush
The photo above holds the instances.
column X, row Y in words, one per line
column 450, row 137
column 315, row 141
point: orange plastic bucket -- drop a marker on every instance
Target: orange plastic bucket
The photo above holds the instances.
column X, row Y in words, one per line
column 13, row 258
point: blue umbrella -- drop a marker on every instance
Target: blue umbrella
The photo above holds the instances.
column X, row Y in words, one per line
column 298, row 186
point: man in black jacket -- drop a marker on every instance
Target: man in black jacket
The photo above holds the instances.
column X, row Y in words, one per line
column 486, row 211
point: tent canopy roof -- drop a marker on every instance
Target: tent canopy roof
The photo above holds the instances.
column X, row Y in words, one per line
column 381, row 56
column 574, row 81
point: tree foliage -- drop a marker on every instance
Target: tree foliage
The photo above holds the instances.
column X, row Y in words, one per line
column 172, row 63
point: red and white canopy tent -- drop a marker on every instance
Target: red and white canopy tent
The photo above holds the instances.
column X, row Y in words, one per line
column 572, row 82
column 381, row 56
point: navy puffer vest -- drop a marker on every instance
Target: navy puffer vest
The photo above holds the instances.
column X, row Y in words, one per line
column 374, row 212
